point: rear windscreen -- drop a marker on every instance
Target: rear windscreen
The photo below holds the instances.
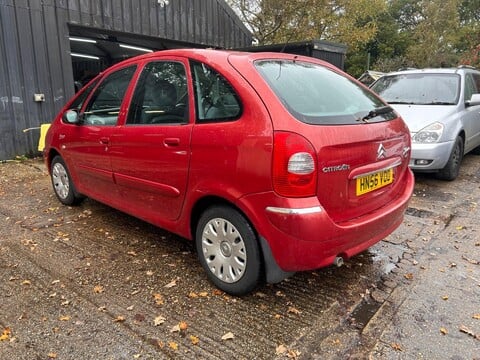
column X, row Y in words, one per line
column 316, row 95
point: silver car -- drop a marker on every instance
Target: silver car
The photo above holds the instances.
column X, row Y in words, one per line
column 442, row 110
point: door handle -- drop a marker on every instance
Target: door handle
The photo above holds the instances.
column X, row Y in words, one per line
column 104, row 140
column 171, row 141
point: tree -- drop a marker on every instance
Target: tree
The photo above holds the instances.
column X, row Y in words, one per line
column 271, row 21
column 389, row 34
column 435, row 34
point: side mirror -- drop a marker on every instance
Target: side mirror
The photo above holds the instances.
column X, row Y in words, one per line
column 71, row 117
column 474, row 101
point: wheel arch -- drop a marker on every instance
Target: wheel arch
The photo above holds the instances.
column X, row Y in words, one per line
column 49, row 157
column 271, row 271
column 208, row 201
column 462, row 135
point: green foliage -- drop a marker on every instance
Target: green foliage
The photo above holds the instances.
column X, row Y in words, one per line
column 382, row 35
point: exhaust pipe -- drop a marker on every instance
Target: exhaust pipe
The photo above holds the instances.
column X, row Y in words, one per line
column 338, row 261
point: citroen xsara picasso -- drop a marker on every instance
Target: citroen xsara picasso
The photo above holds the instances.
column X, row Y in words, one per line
column 271, row 163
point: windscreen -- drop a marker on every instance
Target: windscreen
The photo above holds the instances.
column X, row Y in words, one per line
column 419, row 89
column 316, row 95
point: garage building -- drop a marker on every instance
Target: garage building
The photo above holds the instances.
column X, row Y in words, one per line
column 49, row 48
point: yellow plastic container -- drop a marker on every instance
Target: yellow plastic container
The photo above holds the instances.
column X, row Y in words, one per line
column 43, row 133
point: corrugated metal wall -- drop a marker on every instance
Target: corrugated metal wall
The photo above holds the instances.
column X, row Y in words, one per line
column 35, row 50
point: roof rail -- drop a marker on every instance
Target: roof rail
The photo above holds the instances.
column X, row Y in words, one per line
column 463, row 66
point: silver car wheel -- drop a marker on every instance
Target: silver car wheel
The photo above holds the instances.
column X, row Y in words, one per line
column 60, row 179
column 224, row 250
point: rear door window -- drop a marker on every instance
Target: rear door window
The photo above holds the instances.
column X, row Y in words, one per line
column 215, row 98
column 104, row 105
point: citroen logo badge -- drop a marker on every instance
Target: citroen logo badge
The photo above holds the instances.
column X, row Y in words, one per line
column 381, row 152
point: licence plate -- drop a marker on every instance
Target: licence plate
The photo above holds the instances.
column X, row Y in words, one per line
column 374, row 181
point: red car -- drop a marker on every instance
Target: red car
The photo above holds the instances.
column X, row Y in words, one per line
column 272, row 163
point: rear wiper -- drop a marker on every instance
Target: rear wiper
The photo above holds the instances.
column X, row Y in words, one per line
column 439, row 103
column 401, row 102
column 376, row 112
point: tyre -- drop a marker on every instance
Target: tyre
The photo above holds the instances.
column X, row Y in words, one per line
column 62, row 183
column 228, row 250
column 452, row 168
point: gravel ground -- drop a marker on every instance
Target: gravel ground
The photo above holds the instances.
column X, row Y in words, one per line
column 89, row 282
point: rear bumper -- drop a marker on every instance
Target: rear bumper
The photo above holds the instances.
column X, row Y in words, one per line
column 302, row 236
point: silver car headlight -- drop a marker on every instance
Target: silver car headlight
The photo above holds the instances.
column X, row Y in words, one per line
column 429, row 135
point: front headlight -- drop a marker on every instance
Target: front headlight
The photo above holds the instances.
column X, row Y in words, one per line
column 429, row 135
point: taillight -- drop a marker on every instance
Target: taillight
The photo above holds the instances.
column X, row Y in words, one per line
column 294, row 165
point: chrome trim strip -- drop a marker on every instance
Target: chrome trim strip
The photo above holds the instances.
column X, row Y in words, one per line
column 290, row 211
column 395, row 164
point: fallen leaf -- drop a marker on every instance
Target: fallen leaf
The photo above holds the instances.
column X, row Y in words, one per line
column 193, row 295
column 139, row 318
column 119, row 319
column 293, row 310
column 443, row 331
column 467, row 331
column 175, row 328
column 228, row 336
column 396, row 347
column 26, row 282
column 158, row 299
column 445, row 297
column 217, row 292
column 260, row 294
column 5, row 334
column 203, row 294
column 293, row 354
column 408, row 276
column 159, row 320
column 52, row 355
column 471, row 261
column 460, row 227
column 476, row 316
column 183, row 325
column 280, row 350
column 173, row 345
column 171, row 284
column 64, row 318
column 195, row 340
column 98, row 289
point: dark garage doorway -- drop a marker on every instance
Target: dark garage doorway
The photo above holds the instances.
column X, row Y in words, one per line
column 93, row 50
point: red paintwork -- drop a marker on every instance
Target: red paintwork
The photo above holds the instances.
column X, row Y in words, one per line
column 146, row 172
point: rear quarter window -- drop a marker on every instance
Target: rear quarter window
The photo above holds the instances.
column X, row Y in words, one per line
column 317, row 95
column 215, row 98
